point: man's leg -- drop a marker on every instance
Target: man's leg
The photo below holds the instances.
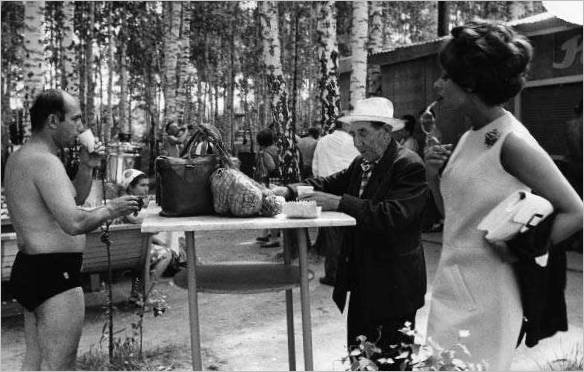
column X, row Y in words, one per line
column 32, row 357
column 60, row 322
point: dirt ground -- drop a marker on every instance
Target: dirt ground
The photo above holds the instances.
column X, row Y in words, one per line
column 248, row 332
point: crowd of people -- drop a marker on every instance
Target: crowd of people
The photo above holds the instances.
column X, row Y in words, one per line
column 370, row 168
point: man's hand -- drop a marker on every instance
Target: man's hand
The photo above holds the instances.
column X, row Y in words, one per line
column 92, row 160
column 123, row 206
column 328, row 202
column 281, row 191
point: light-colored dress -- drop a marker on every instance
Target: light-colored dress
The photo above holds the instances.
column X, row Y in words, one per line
column 475, row 288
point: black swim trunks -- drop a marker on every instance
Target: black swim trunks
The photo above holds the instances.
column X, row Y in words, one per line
column 36, row 278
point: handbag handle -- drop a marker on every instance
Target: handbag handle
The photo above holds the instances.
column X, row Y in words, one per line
column 210, row 134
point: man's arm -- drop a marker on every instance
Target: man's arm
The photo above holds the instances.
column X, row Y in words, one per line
column 401, row 207
column 57, row 192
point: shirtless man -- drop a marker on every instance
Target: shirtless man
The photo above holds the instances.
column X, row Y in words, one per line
column 42, row 202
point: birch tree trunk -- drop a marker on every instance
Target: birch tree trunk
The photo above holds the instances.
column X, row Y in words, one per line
column 387, row 26
column 230, row 104
column 171, row 16
column 285, row 131
column 6, row 111
column 123, row 123
column 109, row 114
column 89, row 81
column 328, row 54
column 182, row 78
column 69, row 78
column 359, row 35
column 34, row 61
column 375, row 45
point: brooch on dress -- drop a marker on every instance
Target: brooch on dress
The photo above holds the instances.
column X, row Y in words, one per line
column 491, row 137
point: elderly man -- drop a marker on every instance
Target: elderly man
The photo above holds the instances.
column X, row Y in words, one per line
column 382, row 261
column 50, row 229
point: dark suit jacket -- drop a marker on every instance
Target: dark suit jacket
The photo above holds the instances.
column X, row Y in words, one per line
column 382, row 256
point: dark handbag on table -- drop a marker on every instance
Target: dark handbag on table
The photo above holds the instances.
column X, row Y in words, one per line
column 183, row 185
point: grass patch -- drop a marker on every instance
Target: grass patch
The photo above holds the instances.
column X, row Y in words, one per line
column 126, row 357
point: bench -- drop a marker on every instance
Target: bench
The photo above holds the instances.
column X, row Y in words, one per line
column 128, row 252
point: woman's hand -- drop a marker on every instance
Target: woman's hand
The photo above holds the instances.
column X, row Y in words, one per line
column 435, row 157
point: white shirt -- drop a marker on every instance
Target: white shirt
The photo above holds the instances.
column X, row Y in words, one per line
column 334, row 152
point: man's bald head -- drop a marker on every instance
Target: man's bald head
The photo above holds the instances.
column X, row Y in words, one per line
column 50, row 101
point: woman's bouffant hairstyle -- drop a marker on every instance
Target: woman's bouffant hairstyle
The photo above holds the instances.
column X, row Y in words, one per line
column 488, row 59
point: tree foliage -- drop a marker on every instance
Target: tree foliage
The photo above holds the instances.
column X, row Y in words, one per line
column 95, row 49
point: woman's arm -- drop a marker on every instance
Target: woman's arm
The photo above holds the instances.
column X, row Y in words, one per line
column 535, row 168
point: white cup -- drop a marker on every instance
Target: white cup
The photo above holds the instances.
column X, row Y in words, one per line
column 87, row 139
column 304, row 190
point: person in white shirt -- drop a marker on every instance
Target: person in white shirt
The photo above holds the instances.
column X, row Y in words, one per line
column 334, row 152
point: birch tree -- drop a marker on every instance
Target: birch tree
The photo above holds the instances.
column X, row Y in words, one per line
column 182, row 76
column 89, row 69
column 108, row 121
column 374, row 45
column 359, row 35
column 171, row 51
column 69, row 77
column 285, row 131
column 328, row 54
column 12, row 24
column 123, row 123
column 34, row 61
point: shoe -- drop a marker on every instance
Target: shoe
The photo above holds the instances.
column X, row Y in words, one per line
column 327, row 281
column 274, row 244
column 264, row 239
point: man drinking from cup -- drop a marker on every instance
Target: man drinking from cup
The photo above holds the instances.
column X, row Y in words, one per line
column 50, row 228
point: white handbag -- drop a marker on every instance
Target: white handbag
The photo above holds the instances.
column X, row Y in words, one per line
column 519, row 212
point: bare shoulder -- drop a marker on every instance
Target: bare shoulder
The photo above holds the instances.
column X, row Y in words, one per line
column 27, row 162
column 518, row 149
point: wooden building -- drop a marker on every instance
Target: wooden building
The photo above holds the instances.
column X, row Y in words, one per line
column 553, row 90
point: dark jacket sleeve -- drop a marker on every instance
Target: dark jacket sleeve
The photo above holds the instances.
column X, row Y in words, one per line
column 399, row 208
column 336, row 183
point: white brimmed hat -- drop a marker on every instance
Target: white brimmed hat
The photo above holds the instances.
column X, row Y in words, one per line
column 128, row 176
column 374, row 109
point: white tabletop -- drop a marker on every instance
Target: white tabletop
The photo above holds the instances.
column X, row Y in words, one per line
column 154, row 223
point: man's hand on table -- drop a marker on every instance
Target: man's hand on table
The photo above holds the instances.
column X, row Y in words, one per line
column 281, row 191
column 328, row 202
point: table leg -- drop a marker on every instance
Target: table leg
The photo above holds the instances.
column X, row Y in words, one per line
column 289, row 311
column 305, row 300
column 193, row 304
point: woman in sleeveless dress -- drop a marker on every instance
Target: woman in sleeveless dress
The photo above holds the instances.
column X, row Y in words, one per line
column 475, row 289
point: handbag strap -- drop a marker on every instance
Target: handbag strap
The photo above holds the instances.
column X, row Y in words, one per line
column 209, row 133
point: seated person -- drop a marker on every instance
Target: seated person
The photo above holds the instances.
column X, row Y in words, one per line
column 135, row 182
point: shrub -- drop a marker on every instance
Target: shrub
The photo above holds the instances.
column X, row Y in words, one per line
column 410, row 356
